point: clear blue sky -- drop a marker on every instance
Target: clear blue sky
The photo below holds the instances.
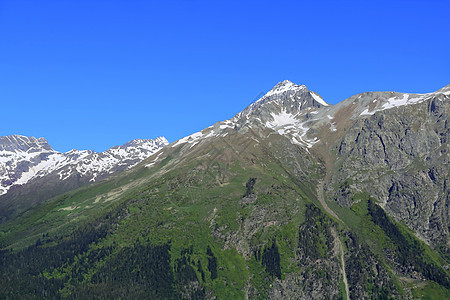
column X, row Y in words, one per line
column 94, row 74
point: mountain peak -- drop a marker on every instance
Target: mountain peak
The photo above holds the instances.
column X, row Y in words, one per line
column 285, row 83
column 23, row 143
column 284, row 95
column 159, row 141
column 283, row 87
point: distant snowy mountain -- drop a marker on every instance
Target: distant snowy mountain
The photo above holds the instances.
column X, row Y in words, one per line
column 31, row 171
column 24, row 159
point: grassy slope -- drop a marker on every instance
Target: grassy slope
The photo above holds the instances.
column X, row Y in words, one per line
column 194, row 203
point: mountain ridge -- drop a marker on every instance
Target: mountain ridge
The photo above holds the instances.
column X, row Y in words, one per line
column 294, row 110
column 20, row 142
column 27, row 164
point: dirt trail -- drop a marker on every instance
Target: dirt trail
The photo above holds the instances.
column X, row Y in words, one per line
column 344, row 275
column 324, row 204
column 341, row 248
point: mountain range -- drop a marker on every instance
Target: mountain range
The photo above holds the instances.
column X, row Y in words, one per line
column 292, row 198
column 31, row 171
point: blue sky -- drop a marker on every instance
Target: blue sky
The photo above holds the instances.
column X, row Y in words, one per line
column 94, row 74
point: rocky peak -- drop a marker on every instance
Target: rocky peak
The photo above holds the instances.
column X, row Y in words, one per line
column 159, row 141
column 285, row 86
column 283, row 97
column 287, row 108
column 15, row 143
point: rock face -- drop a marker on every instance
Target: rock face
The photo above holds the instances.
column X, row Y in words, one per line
column 16, row 142
column 400, row 157
column 30, row 170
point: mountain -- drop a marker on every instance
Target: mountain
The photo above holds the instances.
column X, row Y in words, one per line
column 292, row 198
column 31, row 171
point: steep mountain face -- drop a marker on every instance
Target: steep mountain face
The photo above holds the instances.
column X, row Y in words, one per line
column 30, row 170
column 292, row 198
column 405, row 152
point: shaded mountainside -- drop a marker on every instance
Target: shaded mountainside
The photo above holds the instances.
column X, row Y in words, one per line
column 234, row 212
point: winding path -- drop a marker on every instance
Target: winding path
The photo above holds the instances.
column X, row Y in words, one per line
column 322, row 201
column 344, row 275
column 341, row 248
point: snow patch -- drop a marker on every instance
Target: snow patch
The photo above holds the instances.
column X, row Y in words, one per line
column 318, row 98
column 216, row 130
column 366, row 112
column 41, row 169
column 189, row 139
column 154, row 160
column 286, row 124
column 64, row 174
column 397, row 101
column 333, row 127
column 281, row 119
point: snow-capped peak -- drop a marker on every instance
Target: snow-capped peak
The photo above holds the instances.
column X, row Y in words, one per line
column 285, row 109
column 288, row 87
column 285, row 95
column 283, row 87
column 23, row 143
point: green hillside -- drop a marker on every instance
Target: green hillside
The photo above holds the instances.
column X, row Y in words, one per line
column 234, row 218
